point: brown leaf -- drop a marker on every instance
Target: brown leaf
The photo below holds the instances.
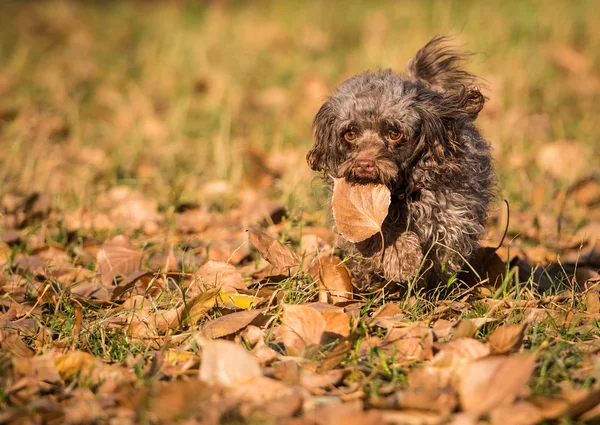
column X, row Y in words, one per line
column 412, row 343
column 337, row 325
column 302, row 327
column 313, row 246
column 227, row 363
column 494, row 381
column 447, row 365
column 118, row 258
column 521, row 413
column 91, row 290
column 592, row 302
column 41, row 368
column 507, row 338
column 333, row 280
column 230, row 323
column 142, row 321
column 359, row 210
column 409, row 417
column 193, row 220
column 426, row 394
column 218, row 274
column 90, row 369
column 388, row 316
column 466, row 328
column 11, row 342
column 313, row 381
column 272, row 250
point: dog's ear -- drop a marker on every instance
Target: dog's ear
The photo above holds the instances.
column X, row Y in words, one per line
column 464, row 103
column 323, row 138
column 440, row 66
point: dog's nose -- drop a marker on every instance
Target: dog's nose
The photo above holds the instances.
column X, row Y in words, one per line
column 365, row 165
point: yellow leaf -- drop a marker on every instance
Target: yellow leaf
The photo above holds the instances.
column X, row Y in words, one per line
column 235, row 300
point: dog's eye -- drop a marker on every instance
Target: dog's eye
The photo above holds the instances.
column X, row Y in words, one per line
column 350, row 135
column 394, row 135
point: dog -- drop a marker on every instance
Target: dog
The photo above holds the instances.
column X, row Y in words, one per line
column 414, row 133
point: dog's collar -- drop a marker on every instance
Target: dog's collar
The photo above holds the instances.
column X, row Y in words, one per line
column 408, row 192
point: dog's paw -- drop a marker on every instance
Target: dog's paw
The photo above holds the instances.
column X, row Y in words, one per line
column 402, row 260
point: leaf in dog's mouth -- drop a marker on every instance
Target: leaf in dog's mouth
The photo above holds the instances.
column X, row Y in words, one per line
column 359, row 210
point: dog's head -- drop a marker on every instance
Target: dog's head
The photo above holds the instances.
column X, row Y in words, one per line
column 377, row 125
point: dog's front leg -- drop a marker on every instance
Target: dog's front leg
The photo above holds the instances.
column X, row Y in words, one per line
column 401, row 260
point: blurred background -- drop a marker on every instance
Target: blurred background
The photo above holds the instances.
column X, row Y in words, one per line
column 208, row 102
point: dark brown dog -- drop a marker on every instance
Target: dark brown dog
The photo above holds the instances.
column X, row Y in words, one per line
column 415, row 134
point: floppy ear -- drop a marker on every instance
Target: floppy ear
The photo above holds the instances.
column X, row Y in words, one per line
column 440, row 66
column 323, row 139
column 466, row 103
column 443, row 116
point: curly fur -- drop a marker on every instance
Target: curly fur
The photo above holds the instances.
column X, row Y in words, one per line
column 434, row 107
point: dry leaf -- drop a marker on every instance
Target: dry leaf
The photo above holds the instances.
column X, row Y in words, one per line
column 447, row 365
column 466, row 328
column 521, row 413
column 41, row 368
column 333, row 280
column 117, row 258
column 218, row 274
column 337, row 324
column 412, row 343
column 359, row 210
column 494, row 381
column 302, row 327
column 592, row 302
column 272, row 250
column 507, row 338
column 230, row 323
column 227, row 363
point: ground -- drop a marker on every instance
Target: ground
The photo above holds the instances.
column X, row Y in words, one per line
column 166, row 255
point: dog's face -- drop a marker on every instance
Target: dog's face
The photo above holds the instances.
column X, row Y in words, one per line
column 366, row 132
column 377, row 125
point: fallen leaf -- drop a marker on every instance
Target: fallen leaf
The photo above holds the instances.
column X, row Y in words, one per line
column 409, row 417
column 235, row 300
column 219, row 274
column 333, row 280
column 193, row 220
column 272, row 250
column 521, row 413
column 337, row 324
column 227, row 363
column 313, row 381
column 41, row 368
column 466, row 328
column 359, row 210
column 230, row 323
column 302, row 327
column 447, row 366
column 90, row 369
column 313, row 247
column 494, row 381
column 592, row 302
column 507, row 338
column 117, row 258
column 412, row 343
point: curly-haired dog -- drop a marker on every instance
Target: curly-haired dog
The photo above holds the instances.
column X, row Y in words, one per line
column 415, row 134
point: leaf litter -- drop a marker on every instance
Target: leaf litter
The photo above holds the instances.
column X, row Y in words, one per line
column 214, row 304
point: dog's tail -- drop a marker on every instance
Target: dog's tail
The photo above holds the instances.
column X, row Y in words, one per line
column 441, row 66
